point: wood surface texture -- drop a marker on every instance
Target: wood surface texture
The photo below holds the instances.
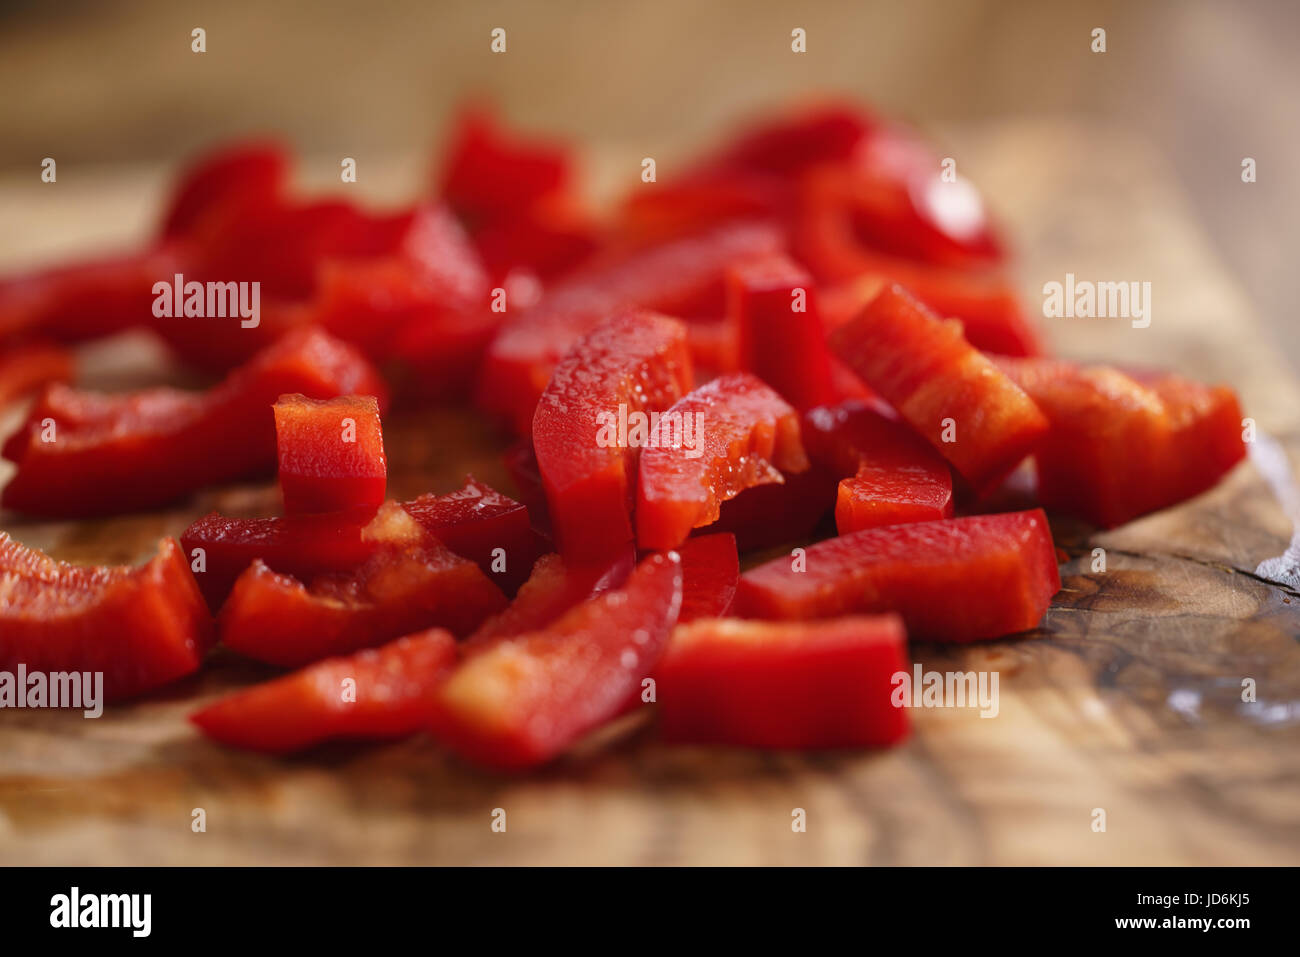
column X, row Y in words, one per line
column 1128, row 698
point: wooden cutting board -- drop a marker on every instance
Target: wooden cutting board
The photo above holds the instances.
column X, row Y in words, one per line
column 1128, row 699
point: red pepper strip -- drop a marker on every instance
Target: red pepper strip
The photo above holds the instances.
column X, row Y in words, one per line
column 895, row 477
column 1118, row 448
column 473, row 522
column 949, row 392
column 715, row 348
column 744, row 434
column 479, row 523
column 824, row 684
column 411, row 582
column 524, row 701
column 551, row 590
column 238, row 177
column 769, row 515
column 628, row 366
column 677, row 279
column 773, row 302
column 389, row 696
column 142, row 627
column 958, row 579
column 710, row 570
column 28, row 368
column 109, row 454
column 331, row 453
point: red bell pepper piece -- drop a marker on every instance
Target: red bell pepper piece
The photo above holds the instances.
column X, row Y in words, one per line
column 959, row 579
column 141, row 627
column 745, row 435
column 28, row 368
column 823, row 684
column 769, row 515
column 895, row 477
column 630, row 365
column 950, row 393
column 773, row 302
column 411, row 582
column 473, row 522
column 224, row 183
column 1119, row 448
column 525, row 700
column 489, row 173
column 389, row 697
column 710, row 571
column 521, row 462
column 331, row 453
column 682, row 278
column 551, row 590
column 107, row 454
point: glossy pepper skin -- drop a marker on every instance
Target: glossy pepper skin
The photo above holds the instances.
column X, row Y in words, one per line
column 331, row 453
column 411, row 582
column 744, row 435
column 525, row 700
column 389, row 697
column 956, row 580
column 894, row 476
column 710, row 572
column 143, row 627
column 87, row 453
column 784, row 685
column 632, row 364
column 773, row 303
column 1119, row 446
column 945, row 389
column 681, row 278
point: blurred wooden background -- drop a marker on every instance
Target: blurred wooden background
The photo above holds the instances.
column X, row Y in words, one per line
column 91, row 83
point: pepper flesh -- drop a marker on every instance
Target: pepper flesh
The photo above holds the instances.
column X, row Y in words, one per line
column 141, row 627
column 745, row 435
column 960, row 579
column 710, row 571
column 821, row 684
column 525, row 700
column 392, row 687
column 331, row 453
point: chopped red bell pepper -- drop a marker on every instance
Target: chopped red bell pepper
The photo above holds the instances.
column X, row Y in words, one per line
column 378, row 693
column 331, row 453
column 769, row 515
column 633, row 364
column 710, row 571
column 142, row 627
column 411, row 582
column 958, row 579
column 949, row 392
column 894, row 475
column 1118, row 448
column 744, row 435
column 682, row 278
column 28, row 368
column 525, row 700
column 474, row 522
column 88, row 453
column 773, row 302
column 551, row 590
column 225, row 183
column 823, row 684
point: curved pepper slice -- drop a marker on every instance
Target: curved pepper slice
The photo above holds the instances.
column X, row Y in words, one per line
column 681, row 278
column 225, row 182
column 331, row 453
column 411, row 582
column 389, row 697
column 769, row 515
column 744, row 434
column 583, row 431
column 823, row 684
column 944, row 388
column 142, row 627
column 959, row 579
column 773, row 302
column 27, row 368
column 1119, row 447
column 525, row 700
column 895, row 477
column 88, row 453
column 710, row 571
